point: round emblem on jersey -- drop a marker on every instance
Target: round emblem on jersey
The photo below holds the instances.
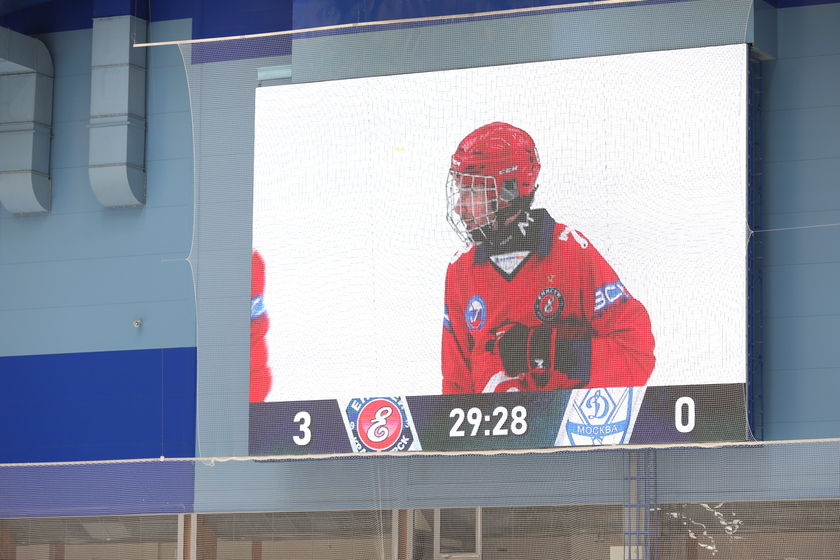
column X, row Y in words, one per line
column 380, row 424
column 476, row 313
column 549, row 305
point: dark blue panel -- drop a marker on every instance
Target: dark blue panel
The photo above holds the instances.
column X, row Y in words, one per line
column 800, row 3
column 314, row 16
column 166, row 10
column 103, row 489
column 81, row 423
column 111, row 8
column 211, row 18
column 317, row 13
column 98, row 405
column 222, row 18
column 9, row 6
column 218, row 51
column 50, row 17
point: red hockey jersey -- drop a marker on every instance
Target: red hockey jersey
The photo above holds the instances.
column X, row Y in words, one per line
column 260, row 371
column 565, row 284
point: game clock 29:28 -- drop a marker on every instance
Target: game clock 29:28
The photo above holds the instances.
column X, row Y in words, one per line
column 502, row 422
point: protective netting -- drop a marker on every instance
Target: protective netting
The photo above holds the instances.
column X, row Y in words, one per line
column 639, row 502
column 223, row 78
column 790, row 529
column 748, row 501
column 770, row 501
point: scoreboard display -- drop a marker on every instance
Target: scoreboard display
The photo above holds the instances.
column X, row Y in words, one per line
column 627, row 302
column 527, row 420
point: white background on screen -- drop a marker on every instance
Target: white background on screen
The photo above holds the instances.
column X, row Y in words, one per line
column 645, row 154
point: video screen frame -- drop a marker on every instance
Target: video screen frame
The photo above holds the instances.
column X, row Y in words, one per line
column 642, row 156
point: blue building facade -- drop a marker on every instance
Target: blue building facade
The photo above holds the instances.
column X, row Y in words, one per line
column 123, row 341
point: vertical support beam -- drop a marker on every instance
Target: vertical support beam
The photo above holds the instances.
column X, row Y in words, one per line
column 26, row 95
column 256, row 550
column 179, row 547
column 755, row 252
column 8, row 545
column 187, row 536
column 56, row 552
column 690, row 548
column 478, row 532
column 396, row 532
column 765, row 30
column 631, row 510
column 193, row 539
column 117, row 156
column 436, row 533
column 409, row 530
column 206, row 542
column 641, row 511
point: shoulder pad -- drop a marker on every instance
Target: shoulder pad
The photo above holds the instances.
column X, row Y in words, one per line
column 465, row 250
column 575, row 234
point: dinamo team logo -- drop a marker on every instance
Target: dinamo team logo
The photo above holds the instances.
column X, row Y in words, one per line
column 599, row 416
column 379, row 424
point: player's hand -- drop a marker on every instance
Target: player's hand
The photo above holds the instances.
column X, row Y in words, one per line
column 511, row 341
column 545, row 360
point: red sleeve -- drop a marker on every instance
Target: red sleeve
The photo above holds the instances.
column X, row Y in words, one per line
column 622, row 341
column 260, row 372
column 455, row 365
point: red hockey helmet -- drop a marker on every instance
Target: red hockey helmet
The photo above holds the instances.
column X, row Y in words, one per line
column 493, row 167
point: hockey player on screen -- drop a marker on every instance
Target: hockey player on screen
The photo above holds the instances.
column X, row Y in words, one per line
column 260, row 371
column 530, row 304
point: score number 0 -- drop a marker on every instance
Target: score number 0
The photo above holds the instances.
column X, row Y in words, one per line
column 684, row 404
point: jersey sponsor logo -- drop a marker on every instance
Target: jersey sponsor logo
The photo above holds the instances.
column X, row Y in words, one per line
column 476, row 313
column 257, row 306
column 509, row 261
column 599, row 416
column 379, row 424
column 549, row 305
column 608, row 294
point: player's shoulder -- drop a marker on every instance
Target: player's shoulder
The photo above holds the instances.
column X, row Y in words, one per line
column 462, row 253
column 570, row 238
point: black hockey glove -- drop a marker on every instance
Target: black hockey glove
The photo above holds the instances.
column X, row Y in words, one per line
column 550, row 362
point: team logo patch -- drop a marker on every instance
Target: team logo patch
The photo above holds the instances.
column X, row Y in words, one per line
column 549, row 304
column 257, row 306
column 476, row 313
column 379, row 424
column 599, row 416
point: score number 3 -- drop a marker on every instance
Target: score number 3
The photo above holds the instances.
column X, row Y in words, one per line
column 305, row 420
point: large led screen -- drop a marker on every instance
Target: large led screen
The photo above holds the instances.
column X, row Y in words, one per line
column 523, row 256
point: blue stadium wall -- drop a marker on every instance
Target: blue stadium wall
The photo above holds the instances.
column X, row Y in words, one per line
column 79, row 382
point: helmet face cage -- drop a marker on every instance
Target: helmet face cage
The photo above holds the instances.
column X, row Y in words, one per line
column 493, row 168
column 472, row 205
